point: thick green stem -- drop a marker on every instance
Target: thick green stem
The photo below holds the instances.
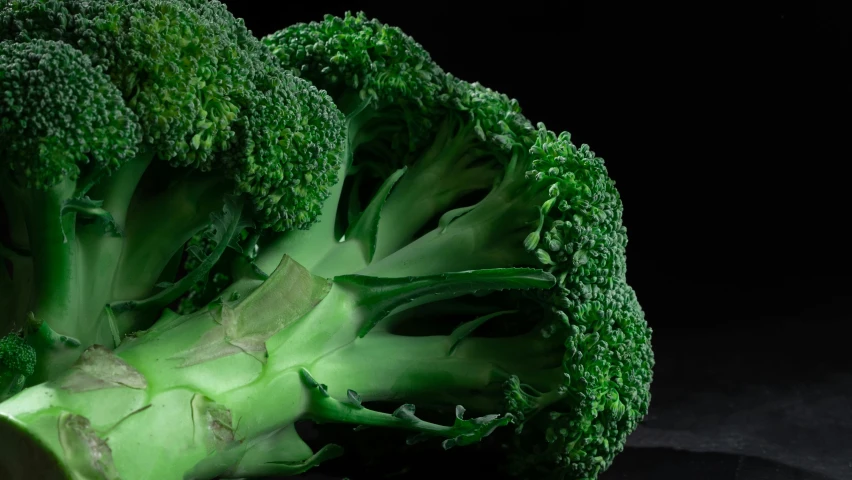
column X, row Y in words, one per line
column 426, row 369
column 490, row 235
column 453, row 166
column 385, row 367
column 446, row 171
column 55, row 273
column 157, row 426
column 190, row 387
column 217, row 391
column 53, row 245
column 99, row 254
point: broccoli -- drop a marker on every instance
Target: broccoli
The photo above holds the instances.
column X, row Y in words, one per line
column 452, row 255
column 17, row 362
column 117, row 113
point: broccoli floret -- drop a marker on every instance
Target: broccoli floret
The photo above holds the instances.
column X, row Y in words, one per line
column 385, row 84
column 404, row 112
column 195, row 126
column 17, row 362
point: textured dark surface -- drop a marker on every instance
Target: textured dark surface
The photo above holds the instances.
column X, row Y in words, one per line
column 774, row 391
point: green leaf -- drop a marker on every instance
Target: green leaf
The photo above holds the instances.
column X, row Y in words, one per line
column 450, row 216
column 465, row 329
column 378, row 297
column 474, row 430
column 93, row 211
column 354, row 398
column 40, row 334
column 311, row 383
column 366, row 228
column 99, row 368
column 289, row 293
column 213, row 423
column 84, row 452
column 406, row 412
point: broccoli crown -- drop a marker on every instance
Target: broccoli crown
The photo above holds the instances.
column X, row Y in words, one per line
column 474, row 130
column 403, row 111
column 544, row 202
column 583, row 228
column 289, row 133
column 207, row 94
column 493, row 117
column 355, row 53
column 17, row 358
column 177, row 70
column 604, row 394
column 363, row 62
column 60, row 114
column 554, row 207
column 608, row 362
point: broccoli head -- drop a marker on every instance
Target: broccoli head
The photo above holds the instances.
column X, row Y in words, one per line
column 130, row 127
column 17, row 362
column 466, row 261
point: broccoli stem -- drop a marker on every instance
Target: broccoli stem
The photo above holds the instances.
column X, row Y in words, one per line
column 225, row 377
column 55, row 296
column 455, row 164
column 489, row 235
column 77, row 269
column 421, row 369
column 52, row 243
column 99, row 254
column 424, row 369
column 451, row 167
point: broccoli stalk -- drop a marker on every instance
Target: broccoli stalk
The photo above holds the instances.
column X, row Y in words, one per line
column 233, row 378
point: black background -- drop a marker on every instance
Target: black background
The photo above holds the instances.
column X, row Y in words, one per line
column 725, row 129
